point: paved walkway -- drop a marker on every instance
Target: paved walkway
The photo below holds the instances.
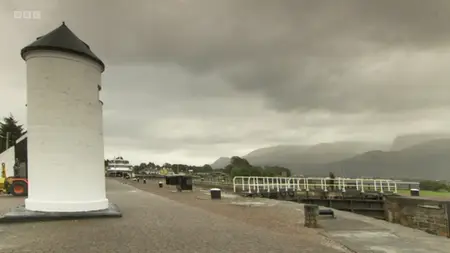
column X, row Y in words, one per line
column 358, row 233
column 154, row 223
column 151, row 223
column 366, row 235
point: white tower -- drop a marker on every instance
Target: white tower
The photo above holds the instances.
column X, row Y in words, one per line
column 65, row 125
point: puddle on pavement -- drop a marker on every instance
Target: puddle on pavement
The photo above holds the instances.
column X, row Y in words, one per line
column 364, row 234
column 252, row 203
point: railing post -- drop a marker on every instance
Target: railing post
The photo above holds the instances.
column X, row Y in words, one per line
column 270, row 184
column 257, row 184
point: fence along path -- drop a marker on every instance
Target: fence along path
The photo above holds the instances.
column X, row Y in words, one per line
column 253, row 184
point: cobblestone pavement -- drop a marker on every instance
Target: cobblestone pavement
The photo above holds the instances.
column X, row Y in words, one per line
column 153, row 223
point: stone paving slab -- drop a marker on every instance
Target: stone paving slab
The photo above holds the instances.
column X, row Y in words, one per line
column 350, row 224
column 375, row 242
column 366, row 235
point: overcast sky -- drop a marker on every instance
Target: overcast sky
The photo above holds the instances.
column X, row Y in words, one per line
column 188, row 81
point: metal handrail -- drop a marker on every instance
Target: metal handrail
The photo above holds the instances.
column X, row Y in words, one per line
column 258, row 184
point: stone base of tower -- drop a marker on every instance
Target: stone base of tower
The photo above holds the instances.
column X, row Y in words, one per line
column 21, row 214
column 65, row 206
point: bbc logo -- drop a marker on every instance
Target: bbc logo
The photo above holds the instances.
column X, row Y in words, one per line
column 27, row 14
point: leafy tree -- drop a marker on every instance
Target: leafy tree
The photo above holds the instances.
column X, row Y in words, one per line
column 139, row 168
column 237, row 161
column 331, row 175
column 247, row 171
column 11, row 128
column 238, row 167
column 276, row 171
column 235, row 172
column 241, row 167
column 207, row 168
column 228, row 169
column 429, row 185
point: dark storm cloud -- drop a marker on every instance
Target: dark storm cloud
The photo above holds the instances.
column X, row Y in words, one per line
column 299, row 54
column 225, row 76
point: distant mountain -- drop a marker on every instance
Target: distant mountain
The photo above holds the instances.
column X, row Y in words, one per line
column 296, row 156
column 221, row 163
column 405, row 141
column 428, row 160
column 420, row 158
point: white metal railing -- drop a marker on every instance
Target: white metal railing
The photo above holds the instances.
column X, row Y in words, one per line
column 253, row 184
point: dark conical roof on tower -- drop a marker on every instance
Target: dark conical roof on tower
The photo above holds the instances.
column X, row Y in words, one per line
column 64, row 40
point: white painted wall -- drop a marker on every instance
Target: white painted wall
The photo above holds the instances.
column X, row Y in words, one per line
column 8, row 157
column 65, row 134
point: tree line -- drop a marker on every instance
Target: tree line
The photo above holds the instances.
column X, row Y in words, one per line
column 436, row 186
column 241, row 167
column 10, row 131
column 174, row 167
column 238, row 167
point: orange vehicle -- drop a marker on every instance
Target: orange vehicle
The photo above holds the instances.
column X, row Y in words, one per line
column 16, row 186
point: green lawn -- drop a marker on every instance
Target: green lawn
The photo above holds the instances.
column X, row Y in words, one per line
column 426, row 193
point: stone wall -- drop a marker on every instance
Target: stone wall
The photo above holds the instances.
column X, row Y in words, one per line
column 429, row 215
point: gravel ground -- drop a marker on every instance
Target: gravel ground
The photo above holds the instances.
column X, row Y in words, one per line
column 158, row 220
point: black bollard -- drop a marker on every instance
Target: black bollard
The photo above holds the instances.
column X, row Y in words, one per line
column 216, row 193
column 137, row 180
column 145, row 181
column 160, row 184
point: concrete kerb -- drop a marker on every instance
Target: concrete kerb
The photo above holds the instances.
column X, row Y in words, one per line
column 20, row 215
column 333, row 240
